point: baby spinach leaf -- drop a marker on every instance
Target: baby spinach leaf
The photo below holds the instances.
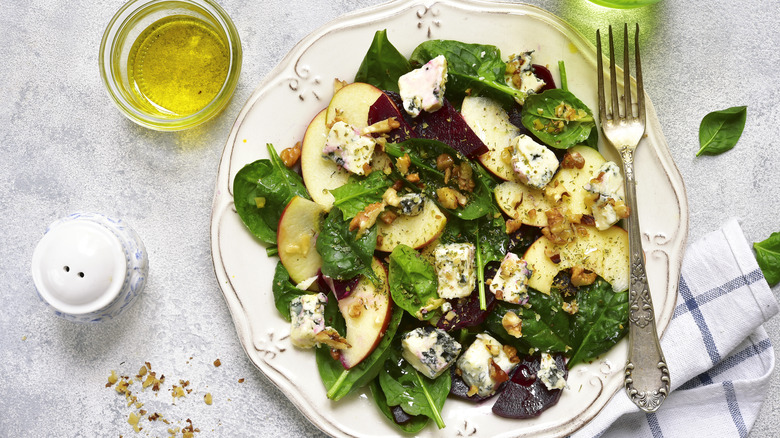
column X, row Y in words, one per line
column 602, row 320
column 415, row 423
column 383, row 64
column 344, row 254
column 261, row 190
column 423, row 154
column 359, row 192
column 719, row 131
column 477, row 68
column 414, row 393
column 413, row 283
column 340, row 382
column 768, row 257
column 284, row 291
column 545, row 115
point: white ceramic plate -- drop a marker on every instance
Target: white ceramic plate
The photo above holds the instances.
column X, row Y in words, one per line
column 278, row 113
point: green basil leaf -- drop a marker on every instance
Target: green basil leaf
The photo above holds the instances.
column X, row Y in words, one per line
column 359, row 192
column 417, row 422
column 423, row 154
column 475, row 69
column 383, row 64
column 284, row 291
column 416, row 394
column 344, row 254
column 768, row 257
column 340, row 382
column 413, row 283
column 276, row 184
column 602, row 320
column 540, row 117
column 719, row 131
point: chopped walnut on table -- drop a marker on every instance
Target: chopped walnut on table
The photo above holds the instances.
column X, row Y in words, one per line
column 558, row 229
column 581, row 276
column 291, row 155
column 366, row 218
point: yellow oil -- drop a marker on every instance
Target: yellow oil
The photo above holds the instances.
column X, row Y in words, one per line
column 178, row 65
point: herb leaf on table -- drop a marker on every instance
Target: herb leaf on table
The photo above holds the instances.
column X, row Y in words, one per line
column 719, row 131
column 383, row 64
column 345, row 254
column 261, row 190
column 768, row 257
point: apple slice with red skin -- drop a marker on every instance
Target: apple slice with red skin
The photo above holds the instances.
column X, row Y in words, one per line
column 296, row 236
column 351, row 104
column 320, row 174
column 367, row 312
column 415, row 231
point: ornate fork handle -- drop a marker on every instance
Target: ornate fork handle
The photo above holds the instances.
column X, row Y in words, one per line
column 647, row 376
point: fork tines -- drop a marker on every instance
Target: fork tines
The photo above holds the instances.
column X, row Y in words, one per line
column 614, row 112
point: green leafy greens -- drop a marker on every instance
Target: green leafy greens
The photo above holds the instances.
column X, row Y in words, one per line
column 383, row 64
column 768, row 257
column 359, row 192
column 719, row 131
column 544, row 115
column 344, row 254
column 475, row 69
column 416, row 394
column 284, row 291
column 261, row 190
column 413, row 283
column 600, row 322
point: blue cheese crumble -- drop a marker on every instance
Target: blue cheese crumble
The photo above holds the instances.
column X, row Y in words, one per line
column 455, row 269
column 510, row 283
column 533, row 163
column 307, row 319
column 478, row 361
column 430, row 350
column 609, row 206
column 423, row 89
column 550, row 374
column 411, row 204
column 520, row 76
column 348, row 148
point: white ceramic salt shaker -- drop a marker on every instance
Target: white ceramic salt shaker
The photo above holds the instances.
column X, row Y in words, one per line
column 89, row 267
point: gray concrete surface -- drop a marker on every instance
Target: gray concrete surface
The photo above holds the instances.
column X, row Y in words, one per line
column 65, row 148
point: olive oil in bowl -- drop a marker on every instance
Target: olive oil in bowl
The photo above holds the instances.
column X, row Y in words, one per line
column 170, row 64
column 178, row 65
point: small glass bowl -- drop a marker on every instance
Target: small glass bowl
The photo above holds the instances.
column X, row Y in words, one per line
column 125, row 28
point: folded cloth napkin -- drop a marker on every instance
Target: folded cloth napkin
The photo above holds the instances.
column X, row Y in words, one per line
column 720, row 357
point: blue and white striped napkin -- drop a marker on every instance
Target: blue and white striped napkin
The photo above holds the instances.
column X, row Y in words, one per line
column 719, row 355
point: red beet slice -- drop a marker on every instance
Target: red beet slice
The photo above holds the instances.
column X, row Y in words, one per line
column 525, row 396
column 466, row 310
column 399, row 415
column 340, row 288
column 445, row 125
column 384, row 108
column 544, row 74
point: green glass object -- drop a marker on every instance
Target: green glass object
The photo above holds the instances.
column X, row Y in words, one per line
column 624, row 4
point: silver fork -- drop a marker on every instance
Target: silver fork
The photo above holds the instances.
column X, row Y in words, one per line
column 647, row 376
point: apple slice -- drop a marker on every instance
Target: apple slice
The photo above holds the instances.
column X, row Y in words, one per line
column 491, row 124
column 414, row 231
column 320, row 174
column 519, row 201
column 603, row 252
column 367, row 312
column 298, row 227
column 351, row 104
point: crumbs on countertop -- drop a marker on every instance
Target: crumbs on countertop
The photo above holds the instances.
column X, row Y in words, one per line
column 217, row 363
